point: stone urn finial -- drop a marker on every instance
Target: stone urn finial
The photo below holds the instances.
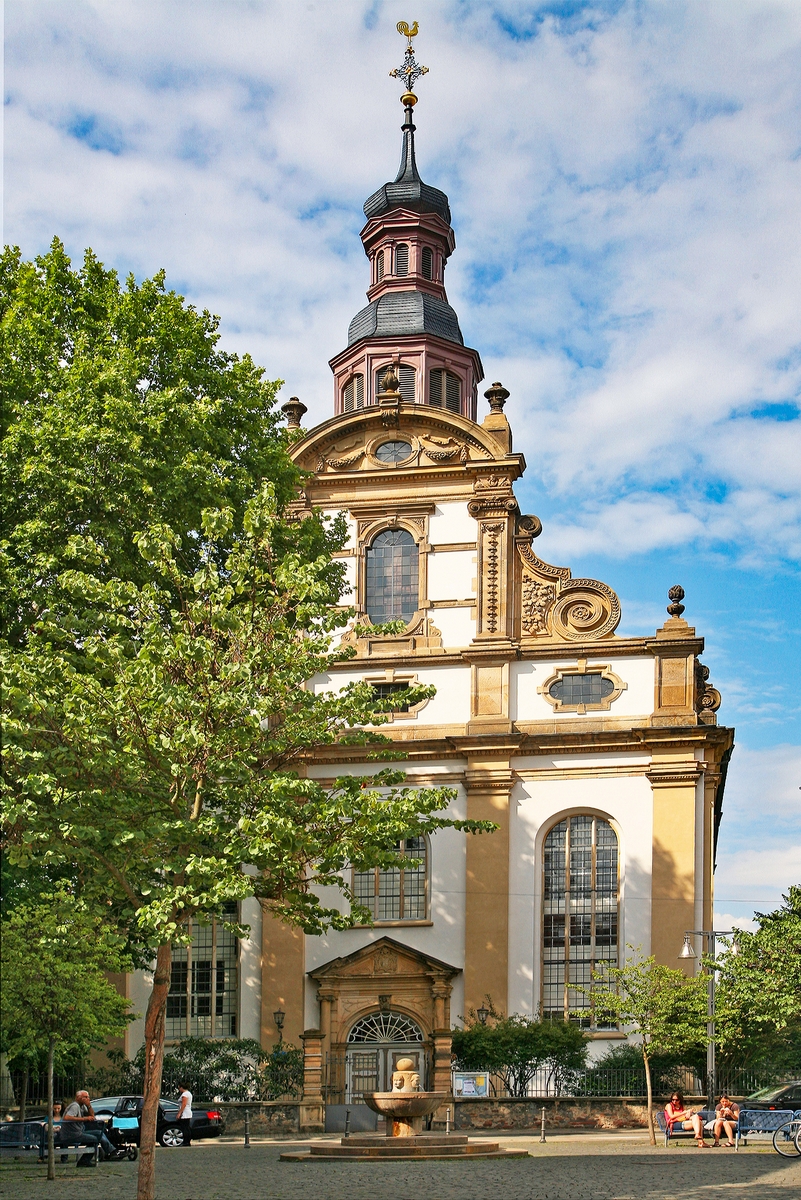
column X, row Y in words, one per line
column 676, row 595
column 293, row 410
column 497, row 396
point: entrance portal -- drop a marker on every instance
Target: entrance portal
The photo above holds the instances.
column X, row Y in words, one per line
column 375, row 1043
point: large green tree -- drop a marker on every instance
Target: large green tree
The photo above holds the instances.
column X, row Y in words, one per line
column 160, row 708
column 663, row 1006
column 758, row 1002
column 119, row 411
column 56, row 1001
column 515, row 1047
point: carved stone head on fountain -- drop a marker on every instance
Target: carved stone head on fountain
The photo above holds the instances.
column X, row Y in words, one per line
column 404, row 1077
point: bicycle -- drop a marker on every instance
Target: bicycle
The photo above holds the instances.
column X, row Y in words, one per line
column 787, row 1138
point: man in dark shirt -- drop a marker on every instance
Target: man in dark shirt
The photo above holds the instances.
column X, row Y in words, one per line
column 75, row 1133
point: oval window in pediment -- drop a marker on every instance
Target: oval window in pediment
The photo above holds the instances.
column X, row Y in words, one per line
column 393, row 452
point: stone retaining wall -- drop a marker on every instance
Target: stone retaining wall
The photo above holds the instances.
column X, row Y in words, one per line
column 268, row 1118
column 571, row 1112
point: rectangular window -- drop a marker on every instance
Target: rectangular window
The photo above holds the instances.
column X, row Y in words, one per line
column 203, row 996
column 393, row 894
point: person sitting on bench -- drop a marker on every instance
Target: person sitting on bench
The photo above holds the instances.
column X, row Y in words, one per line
column 727, row 1114
column 75, row 1133
column 677, row 1116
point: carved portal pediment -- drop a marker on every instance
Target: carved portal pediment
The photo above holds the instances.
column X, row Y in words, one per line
column 383, row 958
column 553, row 605
column 409, row 435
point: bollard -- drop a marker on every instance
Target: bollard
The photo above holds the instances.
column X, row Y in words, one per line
column 542, row 1125
column 347, row 1122
column 247, row 1128
column 447, row 1121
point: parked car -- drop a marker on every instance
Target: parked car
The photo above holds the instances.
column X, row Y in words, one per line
column 207, row 1121
column 780, row 1095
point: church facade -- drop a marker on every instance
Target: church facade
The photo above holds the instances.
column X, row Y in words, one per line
column 599, row 757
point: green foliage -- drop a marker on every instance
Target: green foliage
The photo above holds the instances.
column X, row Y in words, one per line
column 758, row 1004
column 665, row 1007
column 54, row 957
column 514, row 1048
column 231, row 1069
column 620, row 1072
column 152, row 733
column 119, row 412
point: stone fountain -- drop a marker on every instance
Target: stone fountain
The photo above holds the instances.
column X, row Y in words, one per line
column 404, row 1109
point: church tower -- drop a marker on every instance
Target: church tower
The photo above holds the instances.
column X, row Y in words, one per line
column 407, row 322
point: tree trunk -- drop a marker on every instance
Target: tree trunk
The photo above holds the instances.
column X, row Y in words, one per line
column 154, row 1062
column 23, row 1096
column 51, row 1153
column 650, row 1094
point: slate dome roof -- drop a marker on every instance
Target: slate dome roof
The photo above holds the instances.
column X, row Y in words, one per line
column 403, row 313
column 407, row 190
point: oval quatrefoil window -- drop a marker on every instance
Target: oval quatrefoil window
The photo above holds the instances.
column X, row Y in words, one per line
column 393, row 452
column 581, row 689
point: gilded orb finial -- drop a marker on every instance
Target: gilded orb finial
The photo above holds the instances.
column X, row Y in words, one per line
column 411, row 70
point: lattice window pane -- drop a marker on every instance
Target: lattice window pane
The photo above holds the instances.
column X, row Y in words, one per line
column 392, row 577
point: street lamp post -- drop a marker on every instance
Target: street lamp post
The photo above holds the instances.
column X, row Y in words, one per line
column 688, row 952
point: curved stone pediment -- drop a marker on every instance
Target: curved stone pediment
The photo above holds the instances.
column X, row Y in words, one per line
column 558, row 606
column 436, row 438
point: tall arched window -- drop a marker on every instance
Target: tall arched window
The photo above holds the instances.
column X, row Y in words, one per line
column 392, row 578
column 580, row 911
column 427, row 263
column 402, row 259
column 353, row 394
column 405, row 381
column 444, row 390
column 393, row 894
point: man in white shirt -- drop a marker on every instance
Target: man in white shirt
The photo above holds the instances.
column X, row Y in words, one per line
column 184, row 1117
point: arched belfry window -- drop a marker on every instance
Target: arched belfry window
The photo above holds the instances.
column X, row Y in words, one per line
column 406, row 381
column 353, row 394
column 580, row 912
column 395, row 893
column 392, row 577
column 379, row 266
column 427, row 263
column 402, row 259
column 444, row 390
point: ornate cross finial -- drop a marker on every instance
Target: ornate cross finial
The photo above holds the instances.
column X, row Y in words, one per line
column 411, row 70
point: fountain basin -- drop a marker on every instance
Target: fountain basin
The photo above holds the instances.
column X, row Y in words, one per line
column 404, row 1111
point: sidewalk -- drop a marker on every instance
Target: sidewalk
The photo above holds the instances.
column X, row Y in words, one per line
column 576, row 1165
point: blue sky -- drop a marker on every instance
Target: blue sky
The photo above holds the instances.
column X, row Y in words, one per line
column 624, row 178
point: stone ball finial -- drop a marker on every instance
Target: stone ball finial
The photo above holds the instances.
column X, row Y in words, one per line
column 404, row 1064
column 293, row 410
column 676, row 595
column 497, row 396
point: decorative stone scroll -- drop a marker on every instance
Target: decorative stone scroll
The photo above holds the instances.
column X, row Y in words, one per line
column 554, row 605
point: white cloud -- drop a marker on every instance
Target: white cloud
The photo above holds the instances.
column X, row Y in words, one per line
column 625, row 187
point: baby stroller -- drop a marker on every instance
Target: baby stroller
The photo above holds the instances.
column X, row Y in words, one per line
column 123, row 1133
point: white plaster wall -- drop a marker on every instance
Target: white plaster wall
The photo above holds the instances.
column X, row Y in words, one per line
column 250, row 972
column 536, row 805
column 528, row 705
column 349, row 592
column 443, row 939
column 457, row 626
column 452, row 575
column 451, row 522
column 140, row 985
column 450, row 704
column 351, row 523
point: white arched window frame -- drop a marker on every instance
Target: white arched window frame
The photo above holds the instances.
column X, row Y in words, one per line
column 580, row 911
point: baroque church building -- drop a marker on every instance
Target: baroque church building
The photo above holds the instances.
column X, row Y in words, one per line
column 599, row 757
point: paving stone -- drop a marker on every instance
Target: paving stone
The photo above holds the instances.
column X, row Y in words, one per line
column 578, row 1167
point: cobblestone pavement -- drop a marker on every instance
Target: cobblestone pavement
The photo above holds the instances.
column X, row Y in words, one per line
column 567, row 1167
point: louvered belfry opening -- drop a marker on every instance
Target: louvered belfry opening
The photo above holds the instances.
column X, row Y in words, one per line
column 406, row 381
column 353, row 394
column 402, row 259
column 444, row 390
column 427, row 263
column 379, row 266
